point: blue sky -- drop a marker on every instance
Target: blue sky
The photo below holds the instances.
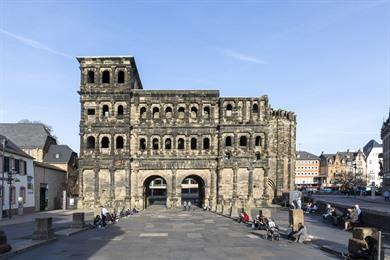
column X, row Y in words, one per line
column 329, row 61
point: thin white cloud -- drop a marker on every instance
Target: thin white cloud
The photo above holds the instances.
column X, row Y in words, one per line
column 242, row 57
column 33, row 43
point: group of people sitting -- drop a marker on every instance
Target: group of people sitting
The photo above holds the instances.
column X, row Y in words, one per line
column 101, row 220
column 350, row 218
column 261, row 223
column 311, row 208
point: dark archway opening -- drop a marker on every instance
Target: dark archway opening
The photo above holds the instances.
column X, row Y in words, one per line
column 193, row 189
column 155, row 191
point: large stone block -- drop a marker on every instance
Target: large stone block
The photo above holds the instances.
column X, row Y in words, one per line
column 356, row 246
column 43, row 229
column 78, row 220
column 363, row 232
column 235, row 213
column 4, row 246
column 295, row 217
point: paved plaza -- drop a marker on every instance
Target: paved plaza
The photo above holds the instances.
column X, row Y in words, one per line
column 157, row 233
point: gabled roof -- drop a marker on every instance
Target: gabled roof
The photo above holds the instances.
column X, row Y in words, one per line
column 302, row 155
column 11, row 147
column 58, row 154
column 48, row 166
column 369, row 146
column 26, row 135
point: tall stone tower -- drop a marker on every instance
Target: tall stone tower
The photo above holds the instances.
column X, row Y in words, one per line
column 105, row 87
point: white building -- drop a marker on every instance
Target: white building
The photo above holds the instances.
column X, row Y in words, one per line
column 20, row 164
column 372, row 150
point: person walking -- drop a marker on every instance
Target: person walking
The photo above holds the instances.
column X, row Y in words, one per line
column 185, row 205
column 103, row 214
column 189, row 205
column 386, row 194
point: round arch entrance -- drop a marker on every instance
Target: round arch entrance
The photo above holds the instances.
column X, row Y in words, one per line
column 193, row 189
column 155, row 191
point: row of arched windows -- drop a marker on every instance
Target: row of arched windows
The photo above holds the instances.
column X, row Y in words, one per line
column 243, row 141
column 105, row 142
column 229, row 109
column 106, row 77
column 169, row 112
column 180, row 144
column 193, row 112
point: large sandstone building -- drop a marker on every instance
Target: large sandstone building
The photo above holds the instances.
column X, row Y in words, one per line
column 240, row 151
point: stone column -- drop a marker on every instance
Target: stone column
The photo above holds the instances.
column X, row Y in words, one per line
column 112, row 184
column 235, row 172
column 250, row 182
column 96, row 172
column 213, row 189
column 173, row 199
column 128, row 184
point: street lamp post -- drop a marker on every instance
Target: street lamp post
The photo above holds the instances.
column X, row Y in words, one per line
column 354, row 182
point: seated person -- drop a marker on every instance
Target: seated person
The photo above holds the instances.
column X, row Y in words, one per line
column 260, row 220
column 135, row 210
column 314, row 208
column 352, row 217
column 327, row 216
column 96, row 221
column 244, row 217
column 300, row 235
column 308, row 208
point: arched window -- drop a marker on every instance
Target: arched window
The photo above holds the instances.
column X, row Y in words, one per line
column 243, row 141
column 121, row 77
column 105, row 142
column 257, row 156
column 181, row 112
column 155, row 144
column 168, row 112
column 206, row 112
column 142, row 113
column 91, row 142
column 258, row 141
column 22, row 193
column 194, row 112
column 120, row 110
column 228, row 141
column 206, row 143
column 180, row 144
column 156, row 113
column 255, row 108
column 105, row 111
column 168, row 144
column 229, row 109
column 194, row 143
column 142, row 144
column 91, row 77
column 106, row 77
column 119, row 142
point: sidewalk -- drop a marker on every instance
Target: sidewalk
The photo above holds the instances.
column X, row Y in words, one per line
column 32, row 216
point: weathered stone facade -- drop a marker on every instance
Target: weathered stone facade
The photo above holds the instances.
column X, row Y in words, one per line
column 240, row 150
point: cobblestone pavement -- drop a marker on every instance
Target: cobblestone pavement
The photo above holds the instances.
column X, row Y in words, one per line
column 158, row 233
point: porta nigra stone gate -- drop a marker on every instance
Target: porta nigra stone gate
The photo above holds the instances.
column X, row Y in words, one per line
column 240, row 151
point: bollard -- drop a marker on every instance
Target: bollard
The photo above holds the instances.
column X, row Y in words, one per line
column 4, row 246
column 78, row 220
column 43, row 229
column 296, row 217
